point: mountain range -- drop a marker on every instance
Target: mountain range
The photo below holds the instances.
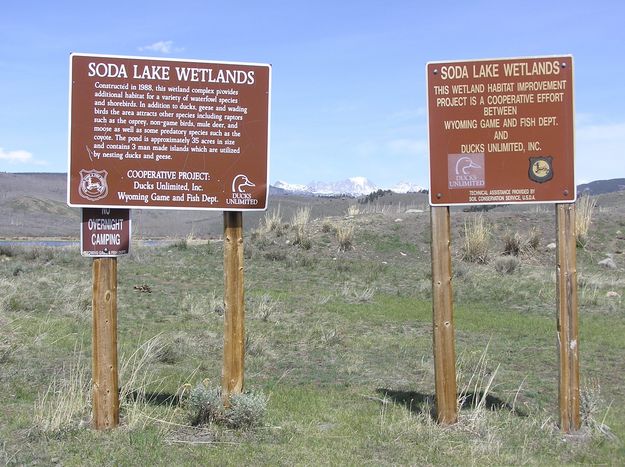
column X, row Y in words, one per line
column 34, row 205
column 361, row 186
column 353, row 186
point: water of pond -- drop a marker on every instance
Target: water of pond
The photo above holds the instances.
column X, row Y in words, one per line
column 66, row 243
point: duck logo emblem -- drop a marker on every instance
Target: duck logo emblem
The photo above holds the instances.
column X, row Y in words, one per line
column 240, row 184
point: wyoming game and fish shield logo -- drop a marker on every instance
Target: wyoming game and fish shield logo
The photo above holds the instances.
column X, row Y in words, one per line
column 541, row 169
column 93, row 184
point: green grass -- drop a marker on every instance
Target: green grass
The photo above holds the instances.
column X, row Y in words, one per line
column 344, row 355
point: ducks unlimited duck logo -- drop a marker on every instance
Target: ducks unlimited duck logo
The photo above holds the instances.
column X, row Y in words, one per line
column 240, row 196
column 93, row 184
column 465, row 171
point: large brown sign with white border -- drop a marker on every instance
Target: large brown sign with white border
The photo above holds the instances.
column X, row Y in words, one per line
column 501, row 131
column 153, row 133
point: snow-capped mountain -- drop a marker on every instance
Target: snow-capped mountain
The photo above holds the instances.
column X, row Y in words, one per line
column 354, row 186
column 293, row 187
column 407, row 187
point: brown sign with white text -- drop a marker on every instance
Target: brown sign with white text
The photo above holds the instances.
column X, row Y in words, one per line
column 501, row 131
column 153, row 133
column 105, row 232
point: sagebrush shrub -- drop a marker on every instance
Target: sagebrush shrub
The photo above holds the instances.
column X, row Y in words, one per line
column 506, row 264
column 246, row 410
column 592, row 407
column 206, row 406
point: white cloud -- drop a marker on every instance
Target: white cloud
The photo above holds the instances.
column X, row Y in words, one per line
column 15, row 157
column 163, row 47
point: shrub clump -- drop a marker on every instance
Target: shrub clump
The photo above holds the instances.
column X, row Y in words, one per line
column 205, row 406
column 302, row 237
column 476, row 241
column 328, row 227
column 272, row 222
column 345, row 236
column 512, row 244
column 506, row 264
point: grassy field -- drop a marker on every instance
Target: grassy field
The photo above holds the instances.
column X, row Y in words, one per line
column 338, row 325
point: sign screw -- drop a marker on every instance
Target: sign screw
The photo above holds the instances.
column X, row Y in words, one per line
column 566, row 192
column 439, row 195
column 435, row 71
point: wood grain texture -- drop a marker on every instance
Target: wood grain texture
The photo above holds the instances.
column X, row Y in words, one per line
column 104, row 344
column 443, row 321
column 234, row 316
column 567, row 318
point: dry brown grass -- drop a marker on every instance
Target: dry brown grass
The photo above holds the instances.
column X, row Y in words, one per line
column 476, row 240
column 345, row 237
column 66, row 400
column 583, row 218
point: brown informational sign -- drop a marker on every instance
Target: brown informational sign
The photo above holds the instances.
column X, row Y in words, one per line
column 152, row 133
column 501, row 131
column 105, row 232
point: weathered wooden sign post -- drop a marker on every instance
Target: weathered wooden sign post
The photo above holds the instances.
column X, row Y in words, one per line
column 105, row 382
column 443, row 317
column 501, row 132
column 104, row 235
column 150, row 133
column 234, row 315
column 568, row 324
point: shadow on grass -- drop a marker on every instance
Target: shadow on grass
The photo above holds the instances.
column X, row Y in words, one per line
column 418, row 402
column 155, row 398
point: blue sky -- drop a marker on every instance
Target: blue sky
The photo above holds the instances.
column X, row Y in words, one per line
column 348, row 91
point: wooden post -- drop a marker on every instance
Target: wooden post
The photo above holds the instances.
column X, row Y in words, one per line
column 234, row 331
column 443, row 321
column 104, row 344
column 567, row 324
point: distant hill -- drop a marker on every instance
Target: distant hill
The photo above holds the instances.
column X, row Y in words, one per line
column 601, row 186
column 34, row 205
